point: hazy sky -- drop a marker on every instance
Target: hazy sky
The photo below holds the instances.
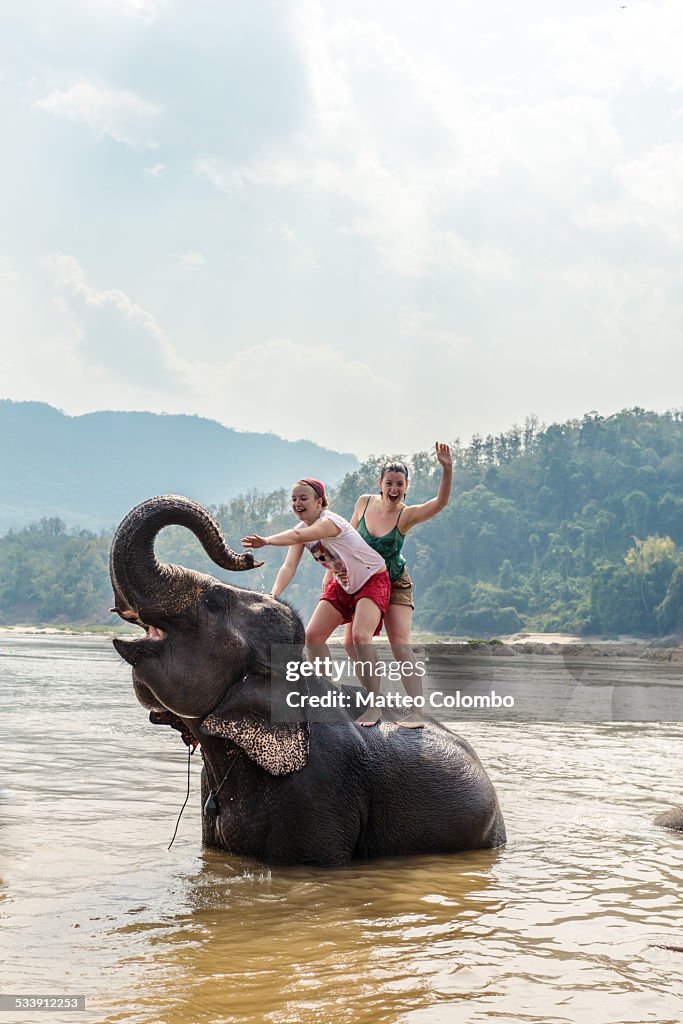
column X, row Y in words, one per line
column 369, row 224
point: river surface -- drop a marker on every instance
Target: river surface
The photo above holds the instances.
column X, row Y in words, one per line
column 565, row 924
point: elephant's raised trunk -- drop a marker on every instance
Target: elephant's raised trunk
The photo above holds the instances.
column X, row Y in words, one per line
column 140, row 580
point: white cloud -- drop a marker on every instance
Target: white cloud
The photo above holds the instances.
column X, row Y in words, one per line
column 9, row 277
column 122, row 115
column 145, row 12
column 649, row 196
column 224, row 180
column 597, row 52
column 79, row 347
column 301, row 252
column 191, row 258
column 103, row 336
column 552, row 139
column 462, row 193
column 639, row 308
column 398, row 165
column 40, row 351
column 655, row 181
column 295, row 390
column 113, row 330
column 422, row 326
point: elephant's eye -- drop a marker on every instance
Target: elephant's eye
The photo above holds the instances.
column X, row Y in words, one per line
column 214, row 604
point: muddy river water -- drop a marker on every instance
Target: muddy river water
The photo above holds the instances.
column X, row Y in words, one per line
column 565, row 924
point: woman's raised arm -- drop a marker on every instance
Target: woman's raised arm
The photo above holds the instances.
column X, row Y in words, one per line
column 415, row 514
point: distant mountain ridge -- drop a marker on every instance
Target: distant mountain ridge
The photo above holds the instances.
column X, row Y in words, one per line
column 90, row 470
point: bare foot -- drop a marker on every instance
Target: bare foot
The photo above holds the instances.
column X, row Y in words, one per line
column 413, row 721
column 369, row 718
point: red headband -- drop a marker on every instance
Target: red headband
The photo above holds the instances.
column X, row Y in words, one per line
column 317, row 486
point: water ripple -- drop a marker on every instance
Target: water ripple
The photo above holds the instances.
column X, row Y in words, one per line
column 564, row 925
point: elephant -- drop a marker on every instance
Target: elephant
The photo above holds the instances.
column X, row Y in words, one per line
column 304, row 792
column 671, row 818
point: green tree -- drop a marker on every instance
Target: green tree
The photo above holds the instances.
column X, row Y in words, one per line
column 652, row 561
column 506, row 575
column 637, row 505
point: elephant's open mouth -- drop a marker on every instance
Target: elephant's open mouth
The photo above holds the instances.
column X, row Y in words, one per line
column 133, row 651
column 154, row 633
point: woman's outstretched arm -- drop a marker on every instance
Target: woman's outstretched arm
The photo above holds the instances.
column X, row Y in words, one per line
column 321, row 528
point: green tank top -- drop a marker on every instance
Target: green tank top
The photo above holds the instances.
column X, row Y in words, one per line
column 388, row 546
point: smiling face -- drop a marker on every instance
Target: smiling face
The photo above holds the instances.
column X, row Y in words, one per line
column 393, row 486
column 306, row 504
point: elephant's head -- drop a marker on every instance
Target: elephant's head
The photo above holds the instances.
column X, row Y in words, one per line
column 202, row 636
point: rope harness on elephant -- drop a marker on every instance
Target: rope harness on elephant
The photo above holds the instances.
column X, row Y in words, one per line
column 211, row 804
column 187, row 796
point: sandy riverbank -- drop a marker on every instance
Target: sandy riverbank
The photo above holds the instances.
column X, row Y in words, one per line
column 569, row 638
column 574, row 647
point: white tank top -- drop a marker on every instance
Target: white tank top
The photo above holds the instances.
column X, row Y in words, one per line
column 347, row 553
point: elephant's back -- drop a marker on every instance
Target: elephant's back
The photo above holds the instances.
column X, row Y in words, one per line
column 429, row 793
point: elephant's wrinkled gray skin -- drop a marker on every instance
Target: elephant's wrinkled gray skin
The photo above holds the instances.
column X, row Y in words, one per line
column 302, row 793
column 672, row 818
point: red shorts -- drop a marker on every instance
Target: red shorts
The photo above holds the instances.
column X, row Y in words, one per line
column 377, row 589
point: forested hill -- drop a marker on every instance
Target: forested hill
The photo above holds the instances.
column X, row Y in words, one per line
column 89, row 470
column 577, row 526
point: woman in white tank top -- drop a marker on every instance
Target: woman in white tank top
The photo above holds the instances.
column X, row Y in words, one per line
column 360, row 588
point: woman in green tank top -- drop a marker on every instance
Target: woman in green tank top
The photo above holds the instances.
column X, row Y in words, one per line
column 383, row 521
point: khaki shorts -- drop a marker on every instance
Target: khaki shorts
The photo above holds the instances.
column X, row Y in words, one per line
column 402, row 590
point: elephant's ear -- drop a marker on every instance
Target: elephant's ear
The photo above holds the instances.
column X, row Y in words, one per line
column 244, row 717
